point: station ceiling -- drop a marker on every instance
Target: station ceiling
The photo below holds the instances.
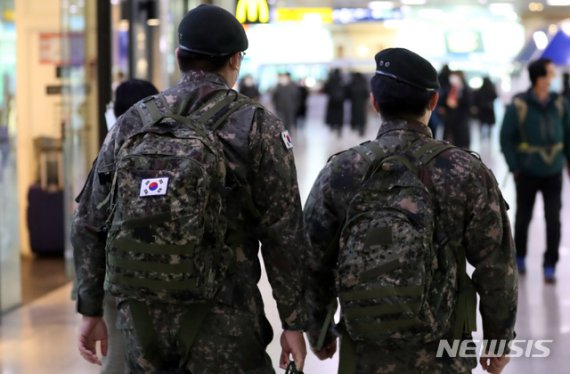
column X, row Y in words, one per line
column 522, row 7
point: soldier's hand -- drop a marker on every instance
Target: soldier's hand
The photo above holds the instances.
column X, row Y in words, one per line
column 293, row 344
column 326, row 351
column 91, row 330
column 494, row 365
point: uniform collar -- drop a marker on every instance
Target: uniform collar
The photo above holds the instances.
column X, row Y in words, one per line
column 531, row 97
column 404, row 125
column 197, row 77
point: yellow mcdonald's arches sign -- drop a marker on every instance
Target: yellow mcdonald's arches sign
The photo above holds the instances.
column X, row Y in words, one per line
column 252, row 11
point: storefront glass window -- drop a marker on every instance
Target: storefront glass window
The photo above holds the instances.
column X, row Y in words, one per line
column 9, row 238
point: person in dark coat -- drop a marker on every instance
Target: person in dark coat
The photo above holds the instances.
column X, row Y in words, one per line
column 358, row 93
column 484, row 101
column 437, row 118
column 286, row 100
column 248, row 87
column 457, row 104
column 301, row 115
column 335, row 91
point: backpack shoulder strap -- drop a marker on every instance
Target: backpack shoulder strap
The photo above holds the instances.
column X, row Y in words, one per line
column 429, row 151
column 233, row 101
column 559, row 103
column 467, row 300
column 522, row 110
column 148, row 110
column 370, row 151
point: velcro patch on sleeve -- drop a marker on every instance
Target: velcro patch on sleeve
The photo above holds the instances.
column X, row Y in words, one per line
column 287, row 139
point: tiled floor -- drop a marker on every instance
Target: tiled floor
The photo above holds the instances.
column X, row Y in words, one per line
column 40, row 337
column 40, row 276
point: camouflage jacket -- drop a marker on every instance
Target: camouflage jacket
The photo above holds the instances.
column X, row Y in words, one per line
column 468, row 205
column 255, row 151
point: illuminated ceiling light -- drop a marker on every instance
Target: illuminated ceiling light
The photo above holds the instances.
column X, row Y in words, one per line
column 381, row 5
column 552, row 29
column 540, row 39
column 565, row 26
column 413, row 2
column 536, row 7
column 431, row 13
column 153, row 22
column 362, row 51
column 558, row 2
column 501, row 8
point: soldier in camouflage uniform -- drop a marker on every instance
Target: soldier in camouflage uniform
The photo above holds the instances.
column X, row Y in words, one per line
column 469, row 210
column 234, row 333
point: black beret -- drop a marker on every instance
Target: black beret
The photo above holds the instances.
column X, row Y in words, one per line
column 407, row 67
column 212, row 31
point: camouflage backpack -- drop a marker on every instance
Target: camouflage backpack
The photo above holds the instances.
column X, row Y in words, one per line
column 388, row 280
column 167, row 226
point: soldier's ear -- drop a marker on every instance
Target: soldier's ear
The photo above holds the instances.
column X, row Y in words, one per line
column 374, row 103
column 433, row 101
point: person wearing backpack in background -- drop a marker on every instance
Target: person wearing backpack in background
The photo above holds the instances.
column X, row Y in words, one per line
column 392, row 223
column 127, row 93
column 185, row 187
column 535, row 140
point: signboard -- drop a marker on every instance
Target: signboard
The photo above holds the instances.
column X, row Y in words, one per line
column 319, row 15
column 252, row 11
column 354, row 15
column 52, row 48
column 463, row 42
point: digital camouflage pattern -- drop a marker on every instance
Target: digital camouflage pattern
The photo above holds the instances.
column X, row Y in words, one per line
column 470, row 211
column 166, row 240
column 256, row 155
column 229, row 341
column 390, row 287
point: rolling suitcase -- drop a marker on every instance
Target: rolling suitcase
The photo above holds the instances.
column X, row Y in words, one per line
column 45, row 200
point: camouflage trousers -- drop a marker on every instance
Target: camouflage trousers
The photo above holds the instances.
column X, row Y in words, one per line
column 229, row 341
column 371, row 359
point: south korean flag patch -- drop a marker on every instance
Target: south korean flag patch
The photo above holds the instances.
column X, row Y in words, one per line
column 153, row 187
column 287, row 139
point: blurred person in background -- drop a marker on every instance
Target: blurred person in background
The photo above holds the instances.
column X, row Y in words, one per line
column 535, row 140
column 358, row 93
column 566, row 85
column 248, row 87
column 436, row 121
column 334, row 89
column 484, row 102
column 285, row 100
column 457, row 103
column 301, row 116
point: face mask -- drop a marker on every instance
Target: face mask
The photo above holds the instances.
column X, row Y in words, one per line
column 455, row 80
column 283, row 80
column 556, row 84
